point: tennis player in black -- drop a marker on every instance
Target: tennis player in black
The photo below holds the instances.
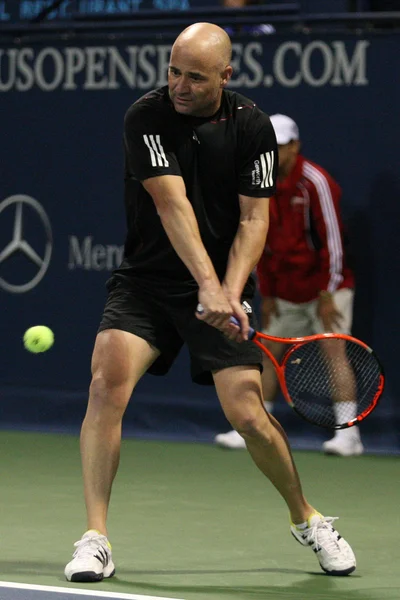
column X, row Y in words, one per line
column 201, row 166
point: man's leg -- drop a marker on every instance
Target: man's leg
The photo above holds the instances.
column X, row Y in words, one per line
column 345, row 442
column 270, row 384
column 239, row 391
column 289, row 321
column 232, row 439
column 119, row 360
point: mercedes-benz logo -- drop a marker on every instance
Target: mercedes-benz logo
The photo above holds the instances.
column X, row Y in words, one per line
column 19, row 244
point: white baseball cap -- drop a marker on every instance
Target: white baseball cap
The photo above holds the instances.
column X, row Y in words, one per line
column 285, row 128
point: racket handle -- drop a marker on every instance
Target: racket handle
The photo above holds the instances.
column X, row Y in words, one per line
column 252, row 331
column 233, row 320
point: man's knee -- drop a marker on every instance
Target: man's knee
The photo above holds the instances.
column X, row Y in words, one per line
column 252, row 424
column 107, row 395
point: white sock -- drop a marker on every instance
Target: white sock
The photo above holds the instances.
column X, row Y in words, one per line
column 301, row 525
column 306, row 523
column 352, row 433
column 346, row 411
column 269, row 406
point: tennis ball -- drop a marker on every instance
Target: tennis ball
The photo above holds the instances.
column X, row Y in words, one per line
column 38, row 338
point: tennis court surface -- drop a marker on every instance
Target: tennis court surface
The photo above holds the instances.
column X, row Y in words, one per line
column 15, row 591
column 192, row 522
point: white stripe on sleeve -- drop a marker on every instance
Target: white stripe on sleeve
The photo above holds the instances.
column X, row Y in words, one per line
column 152, row 154
column 164, row 158
column 157, row 154
column 263, row 170
column 267, row 169
column 334, row 239
column 270, row 160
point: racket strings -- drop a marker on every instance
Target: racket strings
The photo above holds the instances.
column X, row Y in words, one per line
column 331, row 382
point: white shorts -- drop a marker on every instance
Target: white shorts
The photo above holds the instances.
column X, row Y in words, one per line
column 296, row 320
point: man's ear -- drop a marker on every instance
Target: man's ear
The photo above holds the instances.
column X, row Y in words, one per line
column 226, row 75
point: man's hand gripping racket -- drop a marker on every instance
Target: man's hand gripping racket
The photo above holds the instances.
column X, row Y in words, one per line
column 331, row 380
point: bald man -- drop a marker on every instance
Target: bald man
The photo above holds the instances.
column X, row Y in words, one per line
column 201, row 165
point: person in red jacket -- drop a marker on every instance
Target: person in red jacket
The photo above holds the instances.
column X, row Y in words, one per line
column 305, row 283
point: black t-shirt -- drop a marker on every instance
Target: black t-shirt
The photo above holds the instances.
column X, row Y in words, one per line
column 233, row 152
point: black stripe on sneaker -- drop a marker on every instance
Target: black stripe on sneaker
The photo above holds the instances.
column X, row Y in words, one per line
column 106, row 556
column 103, row 558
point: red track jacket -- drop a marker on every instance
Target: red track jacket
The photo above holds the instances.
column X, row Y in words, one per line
column 304, row 251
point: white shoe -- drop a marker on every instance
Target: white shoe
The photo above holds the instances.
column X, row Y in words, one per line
column 92, row 560
column 232, row 440
column 333, row 552
column 343, row 446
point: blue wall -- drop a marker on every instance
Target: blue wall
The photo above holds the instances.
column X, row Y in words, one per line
column 63, row 107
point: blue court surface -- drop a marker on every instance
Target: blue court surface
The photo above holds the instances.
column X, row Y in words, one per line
column 21, row 591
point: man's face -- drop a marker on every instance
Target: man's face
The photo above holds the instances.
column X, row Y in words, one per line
column 287, row 154
column 195, row 83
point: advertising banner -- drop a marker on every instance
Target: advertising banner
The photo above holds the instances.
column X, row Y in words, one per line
column 62, row 221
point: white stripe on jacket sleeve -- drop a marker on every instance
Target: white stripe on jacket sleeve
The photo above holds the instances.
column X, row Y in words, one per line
column 334, row 240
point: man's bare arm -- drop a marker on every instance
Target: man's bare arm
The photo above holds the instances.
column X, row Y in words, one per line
column 179, row 221
column 245, row 252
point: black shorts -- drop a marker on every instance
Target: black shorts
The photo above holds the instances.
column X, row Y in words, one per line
column 167, row 325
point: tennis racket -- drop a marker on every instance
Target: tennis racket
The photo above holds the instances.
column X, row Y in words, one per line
column 332, row 380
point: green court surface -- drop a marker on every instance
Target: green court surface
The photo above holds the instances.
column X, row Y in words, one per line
column 195, row 522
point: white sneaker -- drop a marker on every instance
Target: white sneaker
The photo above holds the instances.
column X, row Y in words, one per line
column 333, row 552
column 343, row 446
column 232, row 440
column 92, row 560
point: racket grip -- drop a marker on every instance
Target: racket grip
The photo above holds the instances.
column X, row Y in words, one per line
column 233, row 320
column 252, row 331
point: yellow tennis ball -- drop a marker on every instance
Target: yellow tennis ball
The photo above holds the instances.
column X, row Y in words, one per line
column 38, row 338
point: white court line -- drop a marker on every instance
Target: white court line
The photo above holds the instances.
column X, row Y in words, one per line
column 76, row 591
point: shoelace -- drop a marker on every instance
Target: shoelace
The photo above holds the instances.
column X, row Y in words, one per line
column 88, row 546
column 322, row 535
